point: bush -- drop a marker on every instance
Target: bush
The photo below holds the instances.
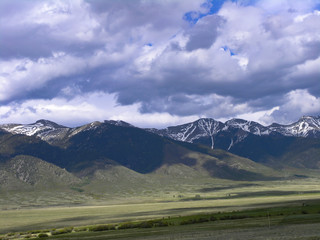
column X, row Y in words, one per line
column 233, row 217
column 127, row 225
column 212, row 218
column 202, row 220
column 62, row 231
column 34, row 231
column 186, row 222
column 226, row 217
column 80, row 229
column 148, row 224
column 112, row 227
column 193, row 221
column 197, row 197
column 42, row 235
column 98, row 228
column 161, row 223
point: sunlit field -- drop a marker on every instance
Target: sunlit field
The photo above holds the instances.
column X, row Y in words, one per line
column 82, row 209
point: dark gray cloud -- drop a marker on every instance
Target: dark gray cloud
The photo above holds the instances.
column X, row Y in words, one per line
column 204, row 33
column 147, row 59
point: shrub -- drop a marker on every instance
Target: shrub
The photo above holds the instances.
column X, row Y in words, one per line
column 148, row 224
column 212, row 218
column 62, row 231
column 112, row 227
column 127, row 225
column 98, row 228
column 202, row 220
column 34, row 231
column 197, row 196
column 189, row 221
column 233, row 217
column 80, row 229
column 42, row 235
column 226, row 217
column 161, row 223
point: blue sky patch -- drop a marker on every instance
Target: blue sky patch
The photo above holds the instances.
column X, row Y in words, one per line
column 227, row 49
column 214, row 6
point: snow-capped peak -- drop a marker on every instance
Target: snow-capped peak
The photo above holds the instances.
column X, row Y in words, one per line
column 119, row 123
column 189, row 132
column 44, row 129
column 209, row 128
column 248, row 126
column 31, row 129
column 307, row 126
column 204, row 128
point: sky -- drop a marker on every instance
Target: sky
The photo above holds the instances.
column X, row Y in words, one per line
column 158, row 63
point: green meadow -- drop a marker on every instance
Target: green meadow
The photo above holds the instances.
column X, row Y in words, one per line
column 264, row 203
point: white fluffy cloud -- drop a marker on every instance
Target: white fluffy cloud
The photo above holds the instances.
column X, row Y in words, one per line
column 158, row 62
column 95, row 106
column 298, row 103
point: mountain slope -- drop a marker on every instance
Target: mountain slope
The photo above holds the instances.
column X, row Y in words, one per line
column 306, row 127
column 27, row 171
column 132, row 147
column 51, row 132
column 208, row 128
column 217, row 163
column 88, row 148
column 269, row 145
column 99, row 146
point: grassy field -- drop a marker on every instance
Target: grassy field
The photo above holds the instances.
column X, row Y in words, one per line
column 297, row 221
column 22, row 212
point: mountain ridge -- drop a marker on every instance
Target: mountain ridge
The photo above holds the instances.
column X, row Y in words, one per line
column 243, row 151
column 132, row 146
column 239, row 129
column 306, row 126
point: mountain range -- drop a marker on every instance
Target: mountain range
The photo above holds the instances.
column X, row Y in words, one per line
column 236, row 150
column 306, row 126
column 207, row 127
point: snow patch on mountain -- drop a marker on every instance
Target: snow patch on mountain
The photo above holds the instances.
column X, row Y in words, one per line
column 40, row 127
column 210, row 127
column 305, row 127
column 118, row 123
column 248, row 126
column 238, row 130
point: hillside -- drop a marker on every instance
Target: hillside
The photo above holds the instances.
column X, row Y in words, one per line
column 99, row 150
column 96, row 150
column 295, row 145
column 115, row 162
column 27, row 171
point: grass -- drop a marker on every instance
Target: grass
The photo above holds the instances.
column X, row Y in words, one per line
column 41, row 210
column 55, row 217
column 276, row 218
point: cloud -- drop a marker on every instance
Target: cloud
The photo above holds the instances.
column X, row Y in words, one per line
column 43, row 27
column 166, row 60
column 85, row 108
column 298, row 103
column 204, row 33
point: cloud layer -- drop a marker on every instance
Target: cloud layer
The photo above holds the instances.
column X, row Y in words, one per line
column 157, row 63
